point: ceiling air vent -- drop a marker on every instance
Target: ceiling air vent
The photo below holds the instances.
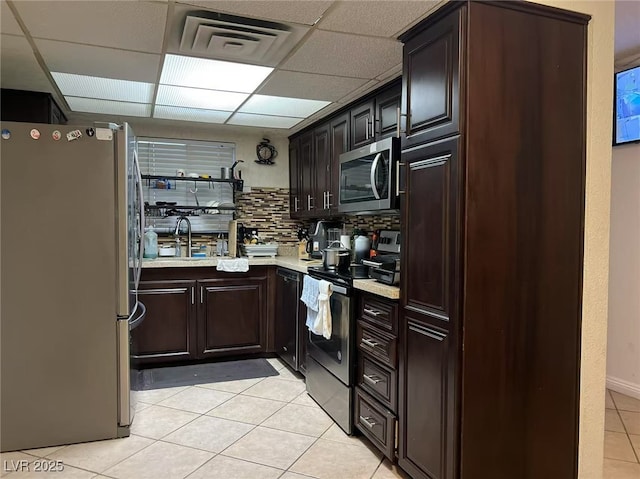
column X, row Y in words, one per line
column 246, row 40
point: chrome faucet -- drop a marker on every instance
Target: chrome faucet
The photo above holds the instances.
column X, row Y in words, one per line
column 177, row 232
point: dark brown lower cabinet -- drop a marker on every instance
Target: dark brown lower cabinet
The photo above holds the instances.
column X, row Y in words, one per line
column 232, row 316
column 200, row 313
column 168, row 332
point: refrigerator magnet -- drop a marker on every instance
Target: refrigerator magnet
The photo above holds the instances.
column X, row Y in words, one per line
column 74, row 135
column 104, row 134
column 6, row 134
column 90, row 132
column 56, row 135
column 35, row 133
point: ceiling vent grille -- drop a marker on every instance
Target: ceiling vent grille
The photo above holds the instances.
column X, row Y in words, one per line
column 240, row 39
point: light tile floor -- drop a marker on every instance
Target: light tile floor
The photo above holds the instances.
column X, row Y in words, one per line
column 263, row 428
column 621, row 437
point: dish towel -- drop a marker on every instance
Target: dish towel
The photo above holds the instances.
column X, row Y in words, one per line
column 238, row 265
column 310, row 293
column 323, row 321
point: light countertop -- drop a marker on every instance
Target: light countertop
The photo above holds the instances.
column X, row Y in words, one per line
column 289, row 262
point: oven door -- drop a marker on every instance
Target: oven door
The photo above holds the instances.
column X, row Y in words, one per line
column 334, row 354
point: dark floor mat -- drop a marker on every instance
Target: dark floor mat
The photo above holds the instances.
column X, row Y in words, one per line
column 169, row 377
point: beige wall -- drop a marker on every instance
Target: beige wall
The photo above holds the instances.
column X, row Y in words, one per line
column 246, row 140
column 623, row 351
column 596, row 245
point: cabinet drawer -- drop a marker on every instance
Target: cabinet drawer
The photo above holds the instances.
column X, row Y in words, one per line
column 380, row 382
column 379, row 312
column 380, row 345
column 375, row 422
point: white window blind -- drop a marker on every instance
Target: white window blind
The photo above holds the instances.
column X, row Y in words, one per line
column 160, row 157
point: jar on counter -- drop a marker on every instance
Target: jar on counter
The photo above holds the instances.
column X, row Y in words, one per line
column 150, row 243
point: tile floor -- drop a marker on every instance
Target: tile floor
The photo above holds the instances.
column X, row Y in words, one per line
column 263, row 428
column 621, row 437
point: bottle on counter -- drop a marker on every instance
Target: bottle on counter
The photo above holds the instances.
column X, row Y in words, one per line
column 150, row 243
column 178, row 246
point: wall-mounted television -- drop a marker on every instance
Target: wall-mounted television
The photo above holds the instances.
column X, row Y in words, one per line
column 626, row 121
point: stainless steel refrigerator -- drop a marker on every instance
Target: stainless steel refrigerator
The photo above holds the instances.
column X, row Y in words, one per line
column 72, row 216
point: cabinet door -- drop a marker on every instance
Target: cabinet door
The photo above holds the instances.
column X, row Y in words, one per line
column 387, row 104
column 286, row 320
column 339, row 134
column 295, row 200
column 428, row 439
column 232, row 316
column 431, row 82
column 362, row 124
column 168, row 332
column 322, row 158
column 307, row 174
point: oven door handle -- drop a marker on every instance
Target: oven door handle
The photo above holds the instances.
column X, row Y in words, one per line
column 338, row 289
column 372, row 175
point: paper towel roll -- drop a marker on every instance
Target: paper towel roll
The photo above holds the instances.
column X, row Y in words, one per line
column 345, row 241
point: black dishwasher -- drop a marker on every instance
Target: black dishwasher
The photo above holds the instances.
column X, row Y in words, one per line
column 289, row 327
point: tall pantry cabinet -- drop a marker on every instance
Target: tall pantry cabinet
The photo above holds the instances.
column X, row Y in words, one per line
column 493, row 176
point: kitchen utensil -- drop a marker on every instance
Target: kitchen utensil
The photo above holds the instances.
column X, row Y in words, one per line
column 336, row 258
column 226, row 172
column 194, row 193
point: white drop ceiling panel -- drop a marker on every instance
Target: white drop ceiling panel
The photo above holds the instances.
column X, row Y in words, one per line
column 99, row 62
column 8, row 22
column 199, row 98
column 212, row 74
column 190, row 114
column 391, row 73
column 308, row 85
column 296, row 11
column 281, row 106
column 103, row 88
column 129, row 25
column 342, row 54
column 20, row 70
column 379, row 18
column 264, row 121
column 108, row 107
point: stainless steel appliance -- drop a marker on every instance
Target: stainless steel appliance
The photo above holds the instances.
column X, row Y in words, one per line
column 369, row 180
column 331, row 362
column 67, row 312
column 385, row 265
column 324, row 234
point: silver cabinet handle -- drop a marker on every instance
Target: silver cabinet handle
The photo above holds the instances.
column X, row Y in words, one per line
column 309, row 198
column 370, row 343
column 373, row 127
column 329, row 195
column 201, row 294
column 295, row 204
column 398, row 191
column 373, row 379
column 366, row 420
column 372, row 312
column 193, row 295
column 366, row 131
column 399, row 115
column 284, row 348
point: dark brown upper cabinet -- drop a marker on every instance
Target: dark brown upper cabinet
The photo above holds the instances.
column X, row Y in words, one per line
column 30, row 106
column 295, row 180
column 363, row 124
column 387, row 105
column 431, row 82
column 322, row 160
column 339, row 133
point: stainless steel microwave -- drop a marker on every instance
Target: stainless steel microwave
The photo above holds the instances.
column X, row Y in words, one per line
column 368, row 178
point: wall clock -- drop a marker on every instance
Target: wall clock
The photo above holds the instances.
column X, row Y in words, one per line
column 266, row 152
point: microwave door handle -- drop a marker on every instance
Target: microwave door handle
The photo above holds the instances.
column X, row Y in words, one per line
column 372, row 175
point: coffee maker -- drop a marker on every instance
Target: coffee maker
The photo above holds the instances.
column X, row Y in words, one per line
column 324, row 234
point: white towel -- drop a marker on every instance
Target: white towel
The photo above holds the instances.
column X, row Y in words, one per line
column 237, row 265
column 323, row 322
column 310, row 293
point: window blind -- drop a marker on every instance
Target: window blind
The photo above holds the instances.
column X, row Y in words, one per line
column 165, row 157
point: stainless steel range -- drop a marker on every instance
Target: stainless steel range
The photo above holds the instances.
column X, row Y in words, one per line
column 331, row 362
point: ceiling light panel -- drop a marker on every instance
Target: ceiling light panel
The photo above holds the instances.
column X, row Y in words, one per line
column 91, row 105
column 190, row 114
column 103, row 88
column 212, row 74
column 283, row 106
column 264, row 121
column 199, row 98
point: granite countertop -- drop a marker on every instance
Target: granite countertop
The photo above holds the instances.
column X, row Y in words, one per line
column 289, row 262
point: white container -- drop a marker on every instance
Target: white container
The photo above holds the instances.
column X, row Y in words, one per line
column 150, row 243
column 166, row 251
column 345, row 241
column 362, row 245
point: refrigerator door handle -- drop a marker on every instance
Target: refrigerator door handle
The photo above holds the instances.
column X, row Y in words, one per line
column 124, row 362
column 142, row 218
